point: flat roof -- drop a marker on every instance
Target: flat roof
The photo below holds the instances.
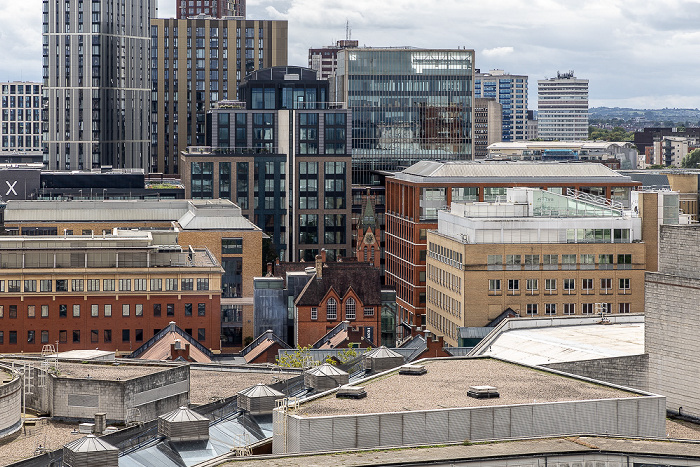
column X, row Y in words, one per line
column 208, row 385
column 447, row 381
column 106, row 372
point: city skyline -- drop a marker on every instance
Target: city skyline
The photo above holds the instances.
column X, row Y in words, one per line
column 609, row 43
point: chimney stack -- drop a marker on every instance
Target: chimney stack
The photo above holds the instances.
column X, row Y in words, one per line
column 269, row 269
column 100, row 423
column 319, row 267
column 323, row 255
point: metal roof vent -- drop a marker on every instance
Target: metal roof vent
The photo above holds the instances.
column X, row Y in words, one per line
column 483, row 392
column 258, row 399
column 90, row 451
column 351, row 392
column 183, row 424
column 413, row 370
column 325, row 377
column 381, row 359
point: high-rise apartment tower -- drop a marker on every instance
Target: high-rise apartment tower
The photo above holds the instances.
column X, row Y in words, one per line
column 96, row 83
column 215, row 8
column 511, row 92
column 562, row 108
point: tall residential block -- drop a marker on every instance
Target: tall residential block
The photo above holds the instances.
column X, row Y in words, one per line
column 325, row 60
column 21, row 122
column 215, row 8
column 511, row 92
column 196, row 63
column 283, row 156
column 96, row 83
column 407, row 105
column 562, row 108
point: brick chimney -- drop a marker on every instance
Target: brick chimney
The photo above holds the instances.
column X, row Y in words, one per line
column 178, row 350
column 323, row 255
column 319, row 266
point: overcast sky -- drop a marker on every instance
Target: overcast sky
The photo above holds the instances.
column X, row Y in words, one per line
column 636, row 53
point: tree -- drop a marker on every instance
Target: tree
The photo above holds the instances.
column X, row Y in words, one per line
column 691, row 160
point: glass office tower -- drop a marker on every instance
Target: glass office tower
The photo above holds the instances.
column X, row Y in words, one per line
column 407, row 105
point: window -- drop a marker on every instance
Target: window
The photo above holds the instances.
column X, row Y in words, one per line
column 108, row 285
column 93, row 285
column 331, row 311
column 76, row 311
column 532, row 262
column 201, row 334
column 125, row 309
column 139, row 285
column 13, row 337
column 624, row 308
column 156, row 309
column 624, row 286
column 95, row 311
column 2, row 337
column 61, row 285
column 170, row 284
column 568, row 261
column 624, row 261
column 62, row 311
column 170, row 309
column 569, row 286
column 76, row 336
column 202, row 284
column 31, row 311
column 587, row 262
column 107, row 335
column 569, row 308
column 30, row 337
column 126, row 335
column 531, row 285
column 138, row 335
column 587, row 286
column 156, row 285
column 550, row 262
column 231, row 246
column 369, row 311
column 45, row 285
column 550, row 308
column 531, row 308
column 187, row 284
column 108, row 311
column 494, row 262
column 44, row 311
column 513, row 285
column 13, row 311
column 125, row 285
column 77, row 285
column 314, row 312
column 587, row 308
column 14, row 286
column 494, row 285
column 201, row 309
column 188, row 309
column 2, row 311
column 94, row 336
column 44, row 337
column 138, row 309
column 550, row 286
column 605, row 286
column 605, row 261
column 350, row 308
column 30, row 286
column 62, row 337
column 513, row 262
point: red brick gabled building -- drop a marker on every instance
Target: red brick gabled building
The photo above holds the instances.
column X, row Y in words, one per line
column 339, row 292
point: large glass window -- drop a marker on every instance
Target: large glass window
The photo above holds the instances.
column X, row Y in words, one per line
column 308, row 185
column 334, row 177
column 231, row 246
column 334, row 228
column 308, row 228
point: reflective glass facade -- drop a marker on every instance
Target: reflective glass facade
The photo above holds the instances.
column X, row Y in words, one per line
column 407, row 105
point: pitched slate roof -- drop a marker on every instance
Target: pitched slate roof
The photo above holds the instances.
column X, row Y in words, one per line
column 341, row 277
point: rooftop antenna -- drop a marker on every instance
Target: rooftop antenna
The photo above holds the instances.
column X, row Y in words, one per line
column 348, row 31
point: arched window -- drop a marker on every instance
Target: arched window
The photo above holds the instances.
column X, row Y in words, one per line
column 350, row 308
column 331, row 308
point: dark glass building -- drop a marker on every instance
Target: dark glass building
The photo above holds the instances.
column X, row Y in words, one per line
column 407, row 105
column 283, row 156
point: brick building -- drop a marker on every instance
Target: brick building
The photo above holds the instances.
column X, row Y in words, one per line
column 112, row 292
column 415, row 195
column 218, row 225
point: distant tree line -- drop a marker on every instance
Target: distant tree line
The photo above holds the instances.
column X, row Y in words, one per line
column 616, row 134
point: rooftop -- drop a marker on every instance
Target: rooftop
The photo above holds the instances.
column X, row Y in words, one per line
column 209, row 385
column 109, row 372
column 447, row 381
column 514, row 172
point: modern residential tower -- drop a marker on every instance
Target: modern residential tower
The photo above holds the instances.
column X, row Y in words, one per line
column 562, row 105
column 511, row 92
column 96, row 83
column 215, row 8
column 21, row 122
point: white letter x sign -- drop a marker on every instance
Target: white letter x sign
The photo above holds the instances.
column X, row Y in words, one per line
column 11, row 188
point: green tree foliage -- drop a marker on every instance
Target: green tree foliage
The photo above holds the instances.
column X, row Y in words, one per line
column 616, row 134
column 691, row 160
column 300, row 358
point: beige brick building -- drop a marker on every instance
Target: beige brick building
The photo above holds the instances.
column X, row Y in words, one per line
column 538, row 254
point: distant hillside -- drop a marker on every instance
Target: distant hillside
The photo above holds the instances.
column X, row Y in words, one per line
column 690, row 116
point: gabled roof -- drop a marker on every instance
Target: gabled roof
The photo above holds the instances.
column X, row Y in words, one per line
column 362, row 278
column 90, row 443
column 260, row 344
column 158, row 346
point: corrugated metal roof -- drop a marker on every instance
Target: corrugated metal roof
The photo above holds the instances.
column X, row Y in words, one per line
column 182, row 414
column 326, row 370
column 90, row 443
column 260, row 390
column 514, row 171
column 382, row 352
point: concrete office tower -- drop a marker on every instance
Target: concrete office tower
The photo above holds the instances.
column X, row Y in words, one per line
column 407, row 105
column 21, row 131
column 96, row 84
column 487, row 125
column 562, row 108
column 214, row 8
column 511, row 92
column 196, row 63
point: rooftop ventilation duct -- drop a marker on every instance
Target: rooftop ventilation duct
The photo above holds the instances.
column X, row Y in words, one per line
column 183, row 424
column 413, row 370
column 325, row 377
column 351, row 392
column 483, row 392
column 259, row 399
column 90, row 451
column 381, row 359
